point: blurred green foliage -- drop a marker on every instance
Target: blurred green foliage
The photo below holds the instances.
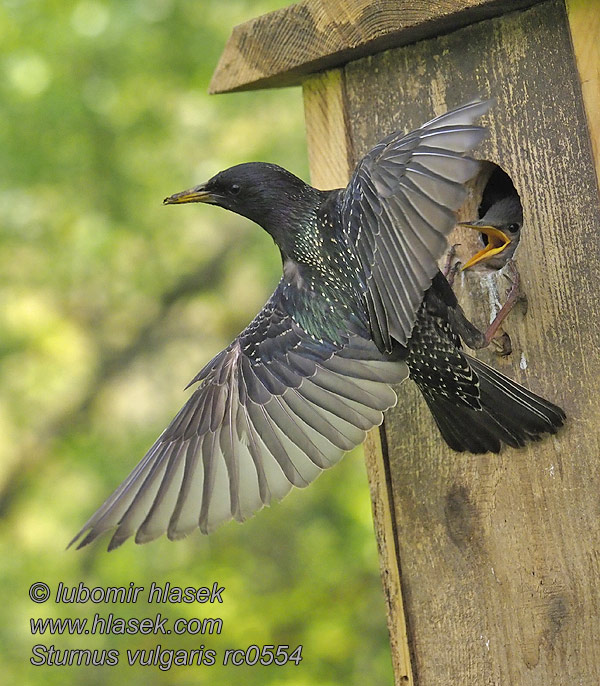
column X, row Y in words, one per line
column 110, row 303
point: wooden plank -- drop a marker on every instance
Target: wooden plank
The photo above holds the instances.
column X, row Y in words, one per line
column 329, row 154
column 501, row 554
column 386, row 533
column 584, row 22
column 282, row 47
column 326, row 130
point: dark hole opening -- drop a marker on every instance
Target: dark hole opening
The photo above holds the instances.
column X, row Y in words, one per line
column 498, row 188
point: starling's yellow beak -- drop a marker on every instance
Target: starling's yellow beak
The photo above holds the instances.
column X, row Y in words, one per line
column 498, row 241
column 197, row 194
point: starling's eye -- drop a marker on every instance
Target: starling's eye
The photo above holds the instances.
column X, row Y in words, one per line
column 513, row 228
column 235, row 189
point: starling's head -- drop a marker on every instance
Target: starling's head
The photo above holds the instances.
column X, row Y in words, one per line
column 265, row 193
column 500, row 229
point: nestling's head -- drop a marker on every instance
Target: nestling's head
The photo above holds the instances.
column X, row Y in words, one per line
column 500, row 229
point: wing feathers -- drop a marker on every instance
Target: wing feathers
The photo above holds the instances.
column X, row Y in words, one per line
column 186, row 514
column 465, row 114
column 166, row 498
column 398, row 209
column 225, row 456
column 458, row 139
column 142, row 501
column 296, row 430
column 216, row 495
column 448, row 165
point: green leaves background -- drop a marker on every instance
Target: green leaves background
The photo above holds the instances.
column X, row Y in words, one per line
column 110, row 303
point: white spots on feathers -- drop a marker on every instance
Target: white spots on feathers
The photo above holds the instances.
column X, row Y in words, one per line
column 437, row 365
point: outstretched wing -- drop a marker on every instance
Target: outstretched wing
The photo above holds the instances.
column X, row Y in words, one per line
column 272, row 411
column 398, row 209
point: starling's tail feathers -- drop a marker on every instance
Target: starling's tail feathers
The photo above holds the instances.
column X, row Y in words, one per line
column 509, row 414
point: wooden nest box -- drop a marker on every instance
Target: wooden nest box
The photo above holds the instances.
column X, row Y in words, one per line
column 490, row 564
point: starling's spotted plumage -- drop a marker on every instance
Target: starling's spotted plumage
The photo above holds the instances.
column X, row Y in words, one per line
column 361, row 305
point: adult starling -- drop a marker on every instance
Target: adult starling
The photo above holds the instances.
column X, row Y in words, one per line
column 361, row 305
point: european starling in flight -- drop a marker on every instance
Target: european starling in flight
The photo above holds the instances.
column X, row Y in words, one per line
column 361, row 305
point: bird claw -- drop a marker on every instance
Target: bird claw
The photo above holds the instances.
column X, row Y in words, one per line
column 502, row 345
column 450, row 270
column 477, row 339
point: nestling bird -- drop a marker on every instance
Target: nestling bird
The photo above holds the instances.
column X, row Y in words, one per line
column 361, row 306
column 500, row 229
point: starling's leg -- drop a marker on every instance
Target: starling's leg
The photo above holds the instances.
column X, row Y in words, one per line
column 512, row 298
column 449, row 270
column 472, row 336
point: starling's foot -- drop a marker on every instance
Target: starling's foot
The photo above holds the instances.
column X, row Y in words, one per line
column 450, row 270
column 473, row 337
column 512, row 297
column 502, row 345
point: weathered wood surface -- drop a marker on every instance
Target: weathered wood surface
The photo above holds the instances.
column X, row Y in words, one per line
column 327, row 136
column 330, row 158
column 280, row 48
column 584, row 21
column 500, row 555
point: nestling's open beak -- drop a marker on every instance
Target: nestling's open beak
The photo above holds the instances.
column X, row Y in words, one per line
column 197, row 194
column 498, row 241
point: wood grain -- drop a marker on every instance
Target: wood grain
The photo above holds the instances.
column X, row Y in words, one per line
column 501, row 553
column 584, row 22
column 280, row 48
column 329, row 155
column 326, row 130
column 386, row 534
